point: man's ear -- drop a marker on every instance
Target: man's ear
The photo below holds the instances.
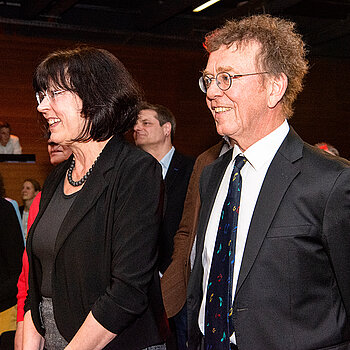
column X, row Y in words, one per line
column 277, row 88
column 167, row 128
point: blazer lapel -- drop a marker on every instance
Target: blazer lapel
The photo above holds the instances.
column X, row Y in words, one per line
column 283, row 169
column 90, row 193
column 85, row 199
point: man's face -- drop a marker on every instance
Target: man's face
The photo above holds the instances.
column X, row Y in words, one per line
column 4, row 136
column 58, row 153
column 241, row 111
column 147, row 130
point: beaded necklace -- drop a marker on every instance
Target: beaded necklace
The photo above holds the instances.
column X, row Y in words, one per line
column 84, row 178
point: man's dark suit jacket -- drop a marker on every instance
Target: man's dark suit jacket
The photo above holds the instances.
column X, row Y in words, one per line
column 293, row 290
column 105, row 256
column 176, row 182
column 11, row 250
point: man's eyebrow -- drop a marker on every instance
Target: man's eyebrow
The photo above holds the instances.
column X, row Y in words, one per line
column 219, row 69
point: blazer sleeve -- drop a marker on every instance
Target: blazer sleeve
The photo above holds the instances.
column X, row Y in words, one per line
column 175, row 279
column 336, row 230
column 136, row 208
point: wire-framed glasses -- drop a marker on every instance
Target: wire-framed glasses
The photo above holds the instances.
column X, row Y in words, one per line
column 223, row 80
column 51, row 95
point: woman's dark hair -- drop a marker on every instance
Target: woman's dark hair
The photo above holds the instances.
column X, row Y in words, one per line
column 109, row 94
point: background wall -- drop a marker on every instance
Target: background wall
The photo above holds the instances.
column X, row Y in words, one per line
column 168, row 76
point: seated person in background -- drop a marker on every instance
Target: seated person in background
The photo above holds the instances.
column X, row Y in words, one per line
column 57, row 154
column 9, row 144
column 11, row 250
column 30, row 189
column 328, row 148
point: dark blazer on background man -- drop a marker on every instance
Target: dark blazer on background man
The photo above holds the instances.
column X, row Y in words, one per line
column 293, row 289
column 176, row 182
column 114, row 217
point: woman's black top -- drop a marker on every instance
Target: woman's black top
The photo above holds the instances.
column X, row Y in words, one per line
column 46, row 234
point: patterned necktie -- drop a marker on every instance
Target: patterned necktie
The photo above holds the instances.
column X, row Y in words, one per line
column 218, row 308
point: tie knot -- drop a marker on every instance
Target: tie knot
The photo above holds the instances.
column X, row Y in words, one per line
column 240, row 161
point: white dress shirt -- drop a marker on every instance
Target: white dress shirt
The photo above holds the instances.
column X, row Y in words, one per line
column 259, row 157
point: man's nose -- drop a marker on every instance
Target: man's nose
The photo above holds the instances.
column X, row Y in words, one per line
column 137, row 127
column 213, row 90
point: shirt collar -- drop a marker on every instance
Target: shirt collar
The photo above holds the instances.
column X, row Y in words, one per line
column 264, row 149
column 165, row 161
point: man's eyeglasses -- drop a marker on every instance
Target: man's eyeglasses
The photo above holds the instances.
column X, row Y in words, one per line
column 51, row 95
column 223, row 80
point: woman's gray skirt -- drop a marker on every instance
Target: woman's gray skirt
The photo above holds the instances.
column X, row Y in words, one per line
column 53, row 338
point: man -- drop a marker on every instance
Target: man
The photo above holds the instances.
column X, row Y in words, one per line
column 154, row 133
column 9, row 144
column 286, row 265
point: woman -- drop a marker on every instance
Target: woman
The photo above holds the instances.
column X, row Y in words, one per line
column 30, row 189
column 57, row 155
column 92, row 249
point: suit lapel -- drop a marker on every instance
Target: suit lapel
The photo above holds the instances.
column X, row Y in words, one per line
column 283, row 169
column 212, row 177
column 173, row 170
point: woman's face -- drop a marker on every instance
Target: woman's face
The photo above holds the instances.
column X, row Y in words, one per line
column 28, row 192
column 63, row 114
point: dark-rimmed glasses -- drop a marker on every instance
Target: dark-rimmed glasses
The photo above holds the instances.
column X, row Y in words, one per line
column 223, row 80
column 51, row 95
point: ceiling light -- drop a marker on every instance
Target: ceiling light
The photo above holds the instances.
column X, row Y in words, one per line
column 205, row 5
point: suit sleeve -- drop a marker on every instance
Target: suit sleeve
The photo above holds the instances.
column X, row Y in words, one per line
column 11, row 250
column 135, row 231
column 336, row 229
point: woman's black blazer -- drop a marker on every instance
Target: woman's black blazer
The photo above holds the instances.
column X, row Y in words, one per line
column 105, row 256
